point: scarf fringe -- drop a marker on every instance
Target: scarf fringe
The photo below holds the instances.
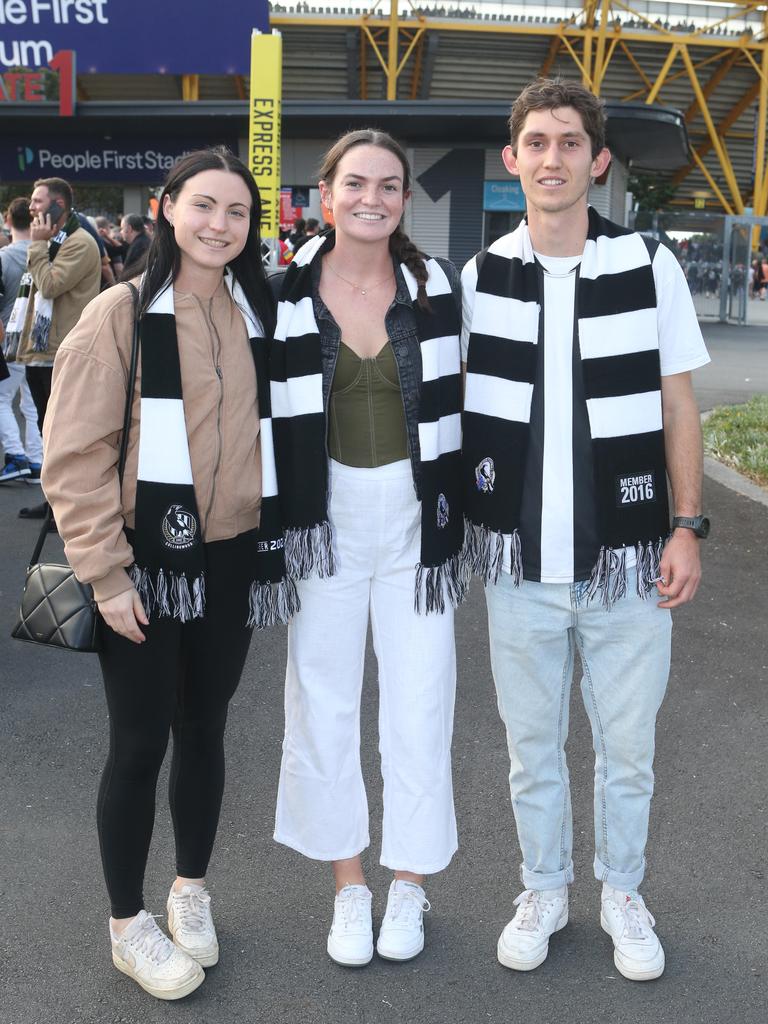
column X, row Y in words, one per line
column 161, row 594
column 169, row 595
column 608, row 581
column 40, row 330
column 309, row 551
column 271, row 603
column 648, row 565
column 436, row 582
column 484, row 553
column 11, row 345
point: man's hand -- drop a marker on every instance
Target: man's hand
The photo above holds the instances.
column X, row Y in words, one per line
column 123, row 613
column 680, row 569
column 42, row 230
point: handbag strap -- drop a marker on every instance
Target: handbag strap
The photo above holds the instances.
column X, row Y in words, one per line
column 126, row 423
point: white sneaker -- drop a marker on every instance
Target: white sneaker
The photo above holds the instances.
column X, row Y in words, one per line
column 148, row 956
column 350, row 940
column 191, row 924
column 524, row 943
column 637, row 952
column 401, row 936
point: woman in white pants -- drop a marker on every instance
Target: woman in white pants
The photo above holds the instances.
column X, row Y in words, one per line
column 366, row 402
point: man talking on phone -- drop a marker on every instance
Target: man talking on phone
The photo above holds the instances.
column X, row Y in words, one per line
column 63, row 275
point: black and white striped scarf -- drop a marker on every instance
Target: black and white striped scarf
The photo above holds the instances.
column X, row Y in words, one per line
column 300, row 430
column 169, row 572
column 17, row 318
column 619, row 351
column 43, row 311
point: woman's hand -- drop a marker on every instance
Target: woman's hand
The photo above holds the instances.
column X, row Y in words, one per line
column 123, row 613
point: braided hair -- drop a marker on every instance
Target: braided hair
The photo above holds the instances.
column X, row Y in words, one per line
column 400, row 245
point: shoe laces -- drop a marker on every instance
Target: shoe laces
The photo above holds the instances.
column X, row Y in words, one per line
column 192, row 909
column 149, row 942
column 638, row 920
column 531, row 903
column 350, row 907
column 405, row 905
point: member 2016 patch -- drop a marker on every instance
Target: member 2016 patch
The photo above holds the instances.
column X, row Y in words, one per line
column 443, row 511
column 179, row 528
column 635, row 489
column 485, row 476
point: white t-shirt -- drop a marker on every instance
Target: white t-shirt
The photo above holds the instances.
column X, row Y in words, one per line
column 553, row 535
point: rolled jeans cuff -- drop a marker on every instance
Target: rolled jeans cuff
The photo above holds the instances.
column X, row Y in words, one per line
column 548, row 880
column 624, row 880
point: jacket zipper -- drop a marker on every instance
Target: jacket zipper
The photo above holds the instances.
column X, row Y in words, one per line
column 217, row 367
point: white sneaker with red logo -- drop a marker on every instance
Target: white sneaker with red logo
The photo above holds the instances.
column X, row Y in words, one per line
column 524, row 943
column 637, row 952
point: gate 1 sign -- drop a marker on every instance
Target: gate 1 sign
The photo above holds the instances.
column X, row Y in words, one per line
column 29, row 87
column 179, row 37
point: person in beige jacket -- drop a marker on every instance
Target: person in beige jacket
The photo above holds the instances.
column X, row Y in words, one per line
column 64, row 268
column 174, row 554
column 63, row 275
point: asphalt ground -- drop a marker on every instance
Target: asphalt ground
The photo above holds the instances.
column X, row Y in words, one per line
column 706, row 882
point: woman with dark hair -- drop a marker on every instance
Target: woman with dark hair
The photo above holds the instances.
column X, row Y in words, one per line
column 366, row 397
column 185, row 553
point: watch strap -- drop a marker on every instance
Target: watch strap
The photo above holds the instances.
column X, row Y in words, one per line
column 689, row 522
column 699, row 524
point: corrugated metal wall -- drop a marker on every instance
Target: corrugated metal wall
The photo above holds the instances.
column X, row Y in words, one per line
column 477, row 66
column 427, row 222
column 457, row 174
column 324, row 62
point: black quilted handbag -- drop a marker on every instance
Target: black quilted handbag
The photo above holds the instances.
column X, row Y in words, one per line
column 57, row 610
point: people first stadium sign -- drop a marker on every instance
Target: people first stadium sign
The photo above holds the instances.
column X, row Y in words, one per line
column 181, row 37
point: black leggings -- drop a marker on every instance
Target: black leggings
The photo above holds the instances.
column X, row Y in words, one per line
column 39, row 383
column 179, row 680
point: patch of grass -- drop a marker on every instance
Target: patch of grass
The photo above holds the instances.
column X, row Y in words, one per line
column 738, row 436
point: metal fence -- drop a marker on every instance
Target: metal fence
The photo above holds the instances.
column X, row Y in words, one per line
column 724, row 263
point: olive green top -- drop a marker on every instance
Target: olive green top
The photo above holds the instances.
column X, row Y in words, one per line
column 366, row 418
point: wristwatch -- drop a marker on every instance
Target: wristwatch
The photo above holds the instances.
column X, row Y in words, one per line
column 699, row 524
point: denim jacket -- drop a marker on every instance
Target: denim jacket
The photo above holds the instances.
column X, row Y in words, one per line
column 401, row 331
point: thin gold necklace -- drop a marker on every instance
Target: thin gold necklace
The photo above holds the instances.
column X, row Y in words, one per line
column 363, row 291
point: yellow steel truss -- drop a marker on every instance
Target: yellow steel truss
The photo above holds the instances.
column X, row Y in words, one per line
column 591, row 40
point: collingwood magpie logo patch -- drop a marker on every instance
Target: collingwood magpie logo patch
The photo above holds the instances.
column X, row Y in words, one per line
column 179, row 528
column 443, row 511
column 635, row 489
column 485, row 476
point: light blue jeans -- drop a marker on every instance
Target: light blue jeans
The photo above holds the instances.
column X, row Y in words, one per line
column 625, row 653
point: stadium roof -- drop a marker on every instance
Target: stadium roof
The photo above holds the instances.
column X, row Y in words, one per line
column 649, row 136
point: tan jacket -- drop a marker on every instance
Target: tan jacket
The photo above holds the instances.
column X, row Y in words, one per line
column 84, row 421
column 72, row 280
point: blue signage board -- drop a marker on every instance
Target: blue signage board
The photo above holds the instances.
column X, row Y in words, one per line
column 177, row 37
column 503, row 195
column 88, row 159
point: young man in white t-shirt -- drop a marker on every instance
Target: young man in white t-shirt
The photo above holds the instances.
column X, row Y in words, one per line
column 579, row 340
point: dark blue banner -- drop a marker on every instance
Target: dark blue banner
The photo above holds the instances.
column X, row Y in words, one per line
column 83, row 159
column 178, row 37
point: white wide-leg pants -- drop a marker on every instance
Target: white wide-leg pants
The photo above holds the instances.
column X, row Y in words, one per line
column 322, row 810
